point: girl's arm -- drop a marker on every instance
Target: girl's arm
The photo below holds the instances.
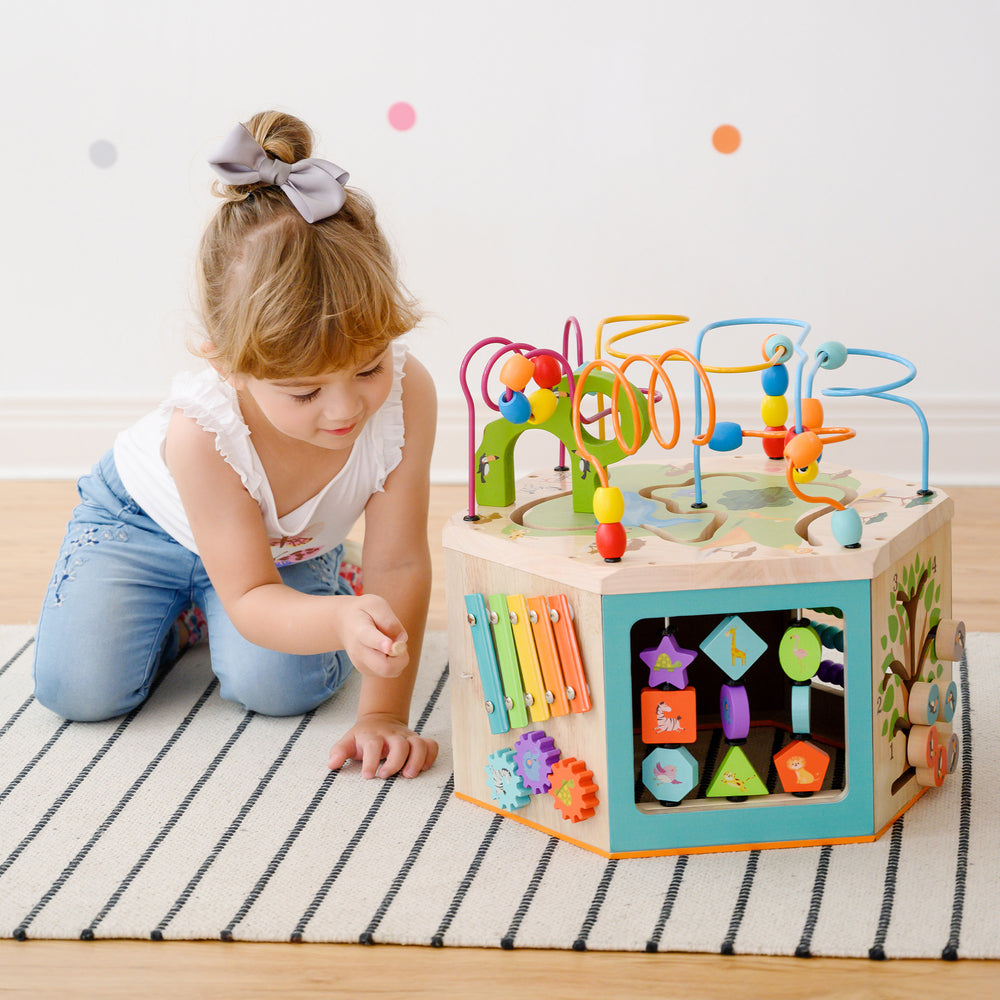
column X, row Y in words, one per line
column 229, row 530
column 396, row 565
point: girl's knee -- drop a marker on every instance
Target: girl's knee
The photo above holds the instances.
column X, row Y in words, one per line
column 271, row 690
column 81, row 702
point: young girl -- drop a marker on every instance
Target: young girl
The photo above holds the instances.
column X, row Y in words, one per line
column 235, row 496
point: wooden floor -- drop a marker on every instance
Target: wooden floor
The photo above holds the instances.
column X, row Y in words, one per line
column 33, row 517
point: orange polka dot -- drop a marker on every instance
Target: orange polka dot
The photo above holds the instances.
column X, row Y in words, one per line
column 726, row 138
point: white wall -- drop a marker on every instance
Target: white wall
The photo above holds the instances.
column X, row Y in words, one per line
column 561, row 163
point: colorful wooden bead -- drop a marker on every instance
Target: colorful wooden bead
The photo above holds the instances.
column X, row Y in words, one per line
column 609, row 504
column 774, row 410
column 806, row 475
column 548, row 371
column 514, row 406
column 778, row 342
column 543, row 405
column 832, row 354
column 803, row 448
column 800, row 652
column 668, row 661
column 669, row 716
column 774, row 442
column 669, row 773
column 812, row 413
column 516, row 372
column 774, row 380
column 611, row 541
column 728, row 436
column 847, row 527
column 924, row 703
column 734, row 707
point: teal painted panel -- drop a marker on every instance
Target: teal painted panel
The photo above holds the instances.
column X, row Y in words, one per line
column 764, row 820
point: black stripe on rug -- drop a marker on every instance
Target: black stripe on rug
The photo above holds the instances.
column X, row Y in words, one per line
column 16, row 656
column 87, row 934
column 804, row 947
column 365, row 823
column 580, row 943
column 18, row 712
column 437, row 939
column 877, row 950
column 226, row 934
column 750, row 872
column 950, row 951
column 157, row 933
column 21, row 931
column 27, row 769
column 680, row 867
column 507, row 941
column 367, row 936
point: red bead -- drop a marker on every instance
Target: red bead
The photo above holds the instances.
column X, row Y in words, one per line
column 774, row 447
column 548, row 371
column 611, row 540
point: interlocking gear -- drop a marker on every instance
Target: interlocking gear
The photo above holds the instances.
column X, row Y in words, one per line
column 504, row 782
column 573, row 790
column 535, row 753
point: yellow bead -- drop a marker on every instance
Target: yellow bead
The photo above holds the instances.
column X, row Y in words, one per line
column 609, row 504
column 543, row 405
column 774, row 411
column 806, row 475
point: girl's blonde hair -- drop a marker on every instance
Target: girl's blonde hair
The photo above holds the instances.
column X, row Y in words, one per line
column 282, row 297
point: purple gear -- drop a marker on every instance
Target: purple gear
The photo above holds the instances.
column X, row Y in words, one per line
column 534, row 755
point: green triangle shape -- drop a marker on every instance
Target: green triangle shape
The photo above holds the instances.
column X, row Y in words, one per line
column 735, row 777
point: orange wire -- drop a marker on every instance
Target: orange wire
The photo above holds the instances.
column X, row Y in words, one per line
column 789, row 467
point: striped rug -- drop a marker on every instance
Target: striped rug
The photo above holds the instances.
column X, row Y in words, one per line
column 191, row 819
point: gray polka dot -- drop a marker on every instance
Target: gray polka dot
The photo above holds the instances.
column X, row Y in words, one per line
column 103, row 153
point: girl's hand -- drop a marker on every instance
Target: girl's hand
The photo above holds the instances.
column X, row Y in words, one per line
column 377, row 738
column 373, row 637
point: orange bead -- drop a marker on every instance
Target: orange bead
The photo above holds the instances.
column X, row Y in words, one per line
column 803, row 449
column 516, row 372
column 812, row 413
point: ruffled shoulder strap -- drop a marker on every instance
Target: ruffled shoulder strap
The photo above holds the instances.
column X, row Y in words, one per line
column 391, row 427
column 213, row 403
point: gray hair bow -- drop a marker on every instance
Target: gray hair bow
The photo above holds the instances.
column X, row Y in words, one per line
column 315, row 187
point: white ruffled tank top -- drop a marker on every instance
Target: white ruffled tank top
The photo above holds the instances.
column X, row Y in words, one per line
column 316, row 527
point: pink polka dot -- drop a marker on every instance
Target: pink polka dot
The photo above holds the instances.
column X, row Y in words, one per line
column 402, row 116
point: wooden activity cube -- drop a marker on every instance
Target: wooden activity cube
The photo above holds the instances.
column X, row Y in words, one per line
column 717, row 711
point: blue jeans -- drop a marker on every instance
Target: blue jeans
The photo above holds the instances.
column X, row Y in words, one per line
column 107, row 622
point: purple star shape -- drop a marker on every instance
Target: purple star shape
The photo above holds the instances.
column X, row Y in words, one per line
column 668, row 662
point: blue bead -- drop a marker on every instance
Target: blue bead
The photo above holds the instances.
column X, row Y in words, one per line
column 833, row 353
column 727, row 436
column 774, row 380
column 516, row 408
column 846, row 526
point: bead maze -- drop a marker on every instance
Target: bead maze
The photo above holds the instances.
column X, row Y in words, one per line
column 716, row 652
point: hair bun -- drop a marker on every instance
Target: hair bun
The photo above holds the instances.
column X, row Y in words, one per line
column 281, row 135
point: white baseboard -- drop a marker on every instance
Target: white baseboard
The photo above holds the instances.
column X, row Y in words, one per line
column 61, row 438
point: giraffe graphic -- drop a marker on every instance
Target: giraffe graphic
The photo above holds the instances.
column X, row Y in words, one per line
column 738, row 655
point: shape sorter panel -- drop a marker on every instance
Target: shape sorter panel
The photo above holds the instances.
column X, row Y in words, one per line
column 725, row 790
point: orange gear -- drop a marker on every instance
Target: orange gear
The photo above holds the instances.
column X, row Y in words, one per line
column 573, row 789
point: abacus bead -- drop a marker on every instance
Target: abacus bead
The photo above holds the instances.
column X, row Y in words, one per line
column 774, row 380
column 548, row 371
column 728, row 436
column 774, row 410
column 611, row 540
column 609, row 504
column 516, row 372
column 514, row 406
column 812, row 413
column 543, row 405
column 835, row 354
